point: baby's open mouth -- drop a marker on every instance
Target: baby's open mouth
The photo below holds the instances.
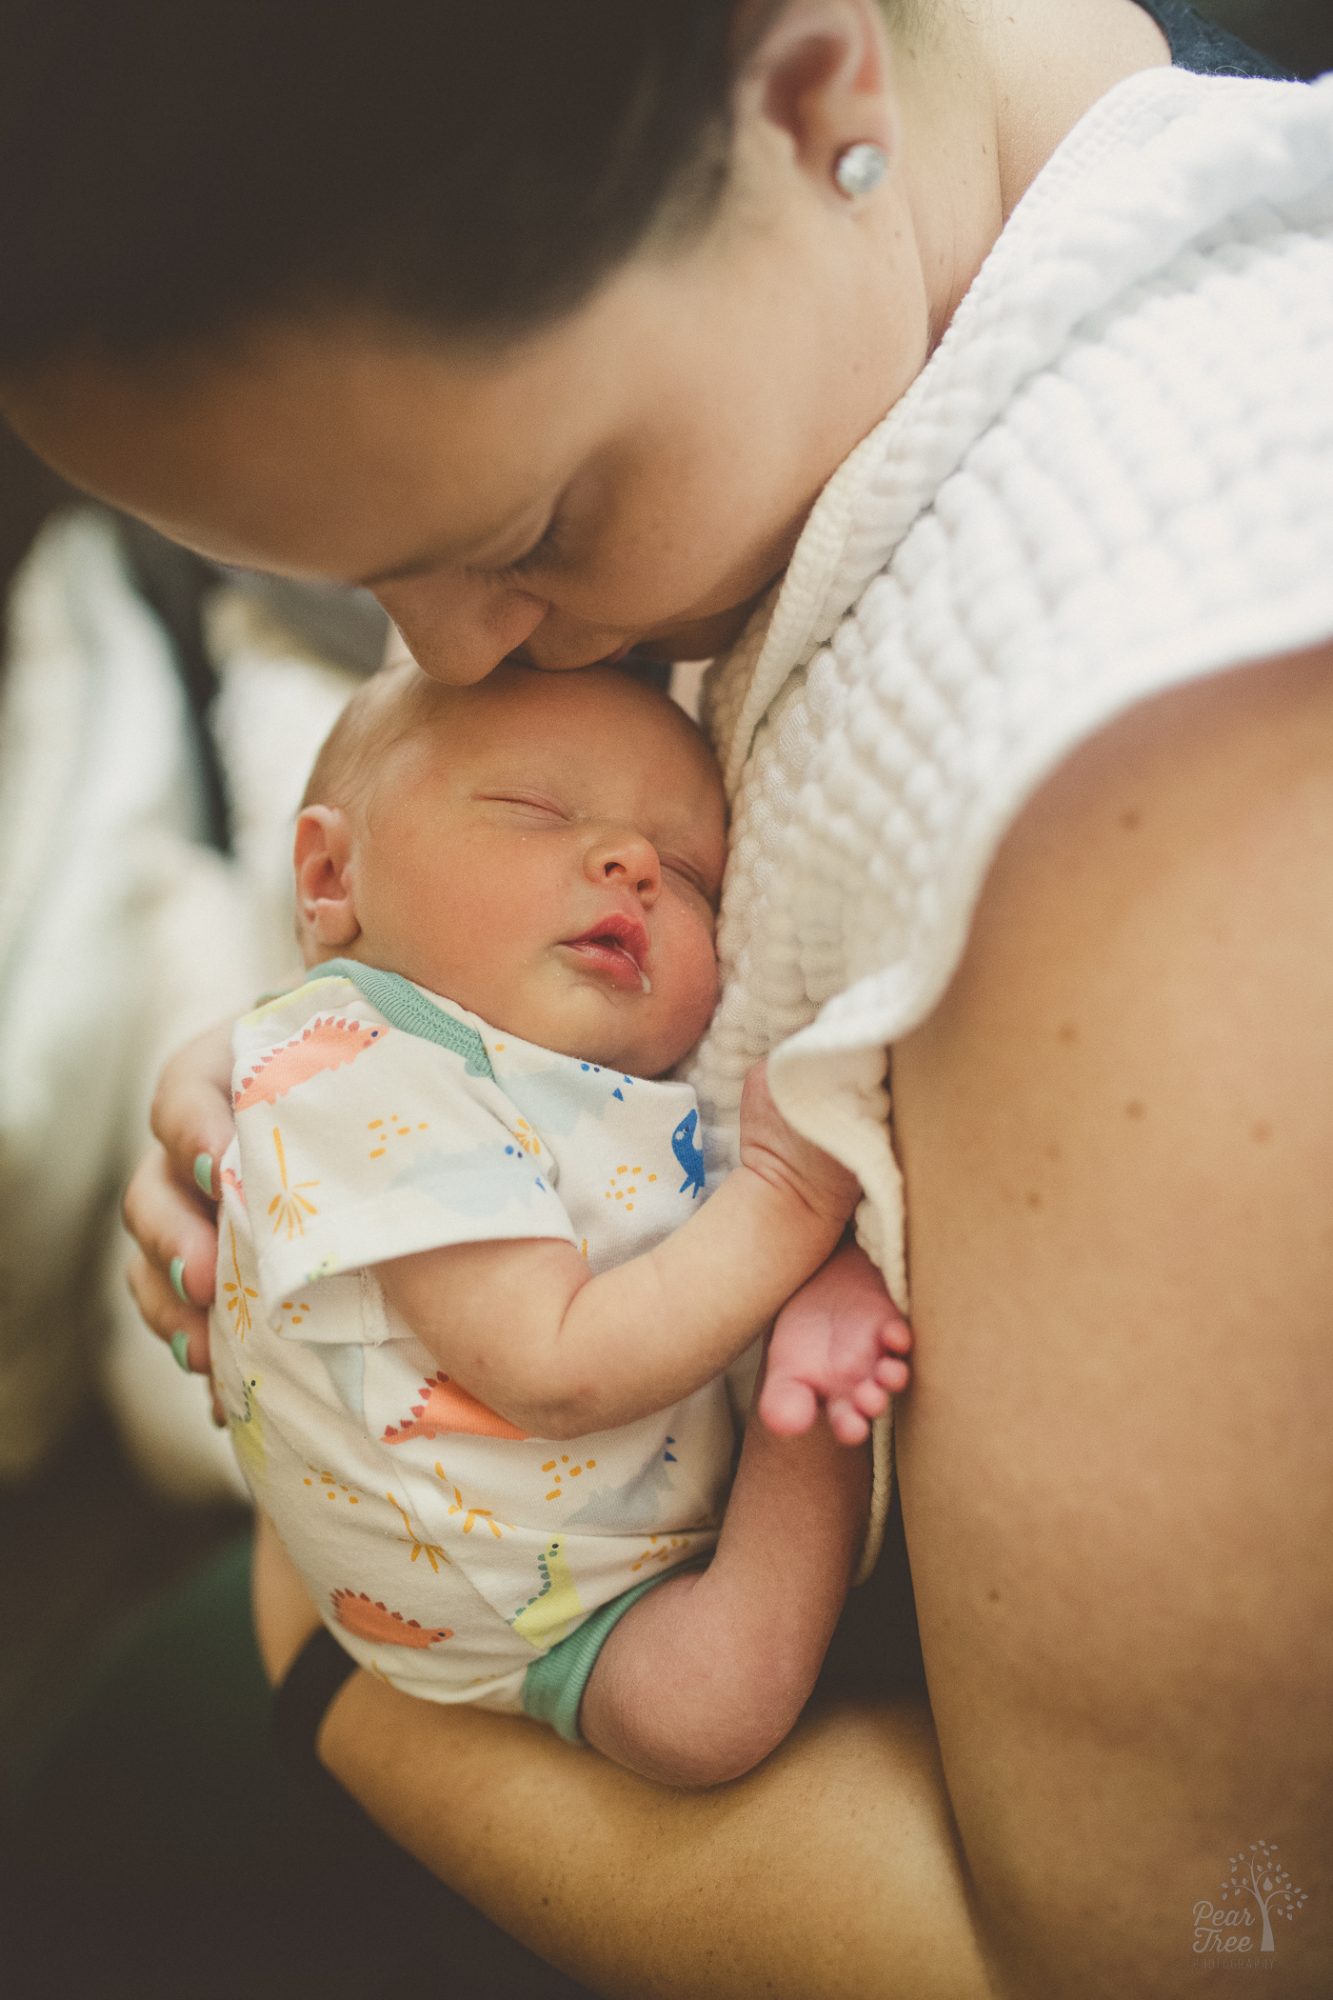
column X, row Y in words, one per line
column 617, row 948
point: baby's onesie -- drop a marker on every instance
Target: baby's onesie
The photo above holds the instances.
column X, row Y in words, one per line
column 445, row 1548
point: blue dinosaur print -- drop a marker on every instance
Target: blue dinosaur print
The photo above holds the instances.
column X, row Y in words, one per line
column 688, row 1155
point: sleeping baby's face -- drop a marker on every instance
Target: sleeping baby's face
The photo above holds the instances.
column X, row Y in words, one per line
column 544, row 849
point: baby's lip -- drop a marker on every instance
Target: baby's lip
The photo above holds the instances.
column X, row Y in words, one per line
column 617, row 928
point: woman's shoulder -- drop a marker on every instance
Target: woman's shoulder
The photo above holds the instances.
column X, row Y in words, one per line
column 1115, row 476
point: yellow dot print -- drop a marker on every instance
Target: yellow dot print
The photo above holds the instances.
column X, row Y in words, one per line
column 624, row 1186
column 332, row 1489
column 381, row 1130
column 562, row 1469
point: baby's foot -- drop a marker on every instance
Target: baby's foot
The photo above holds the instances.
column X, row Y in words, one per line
column 839, row 1342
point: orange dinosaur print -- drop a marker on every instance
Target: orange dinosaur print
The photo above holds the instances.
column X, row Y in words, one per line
column 326, row 1044
column 445, row 1407
column 365, row 1619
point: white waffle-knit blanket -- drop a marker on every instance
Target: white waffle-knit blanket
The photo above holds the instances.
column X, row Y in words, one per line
column 1115, row 474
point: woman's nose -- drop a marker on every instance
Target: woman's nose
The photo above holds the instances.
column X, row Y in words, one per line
column 623, row 856
column 458, row 627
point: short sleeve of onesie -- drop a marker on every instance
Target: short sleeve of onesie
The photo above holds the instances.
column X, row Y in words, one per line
column 370, row 1126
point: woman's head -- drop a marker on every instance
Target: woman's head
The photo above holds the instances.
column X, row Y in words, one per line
column 384, row 302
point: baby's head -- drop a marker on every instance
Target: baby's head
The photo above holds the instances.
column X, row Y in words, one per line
column 545, row 849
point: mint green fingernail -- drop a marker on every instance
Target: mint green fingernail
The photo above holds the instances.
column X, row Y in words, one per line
column 177, row 1276
column 203, row 1173
column 180, row 1347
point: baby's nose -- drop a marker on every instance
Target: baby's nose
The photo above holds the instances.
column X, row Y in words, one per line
column 624, row 855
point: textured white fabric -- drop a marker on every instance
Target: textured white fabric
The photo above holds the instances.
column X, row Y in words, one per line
column 1114, row 474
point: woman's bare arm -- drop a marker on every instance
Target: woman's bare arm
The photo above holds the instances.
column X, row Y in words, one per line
column 828, row 1874
column 1117, row 1130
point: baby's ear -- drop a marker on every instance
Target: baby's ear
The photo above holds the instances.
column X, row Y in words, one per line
column 322, row 858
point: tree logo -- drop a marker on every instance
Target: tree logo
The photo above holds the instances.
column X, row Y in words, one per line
column 1258, row 1882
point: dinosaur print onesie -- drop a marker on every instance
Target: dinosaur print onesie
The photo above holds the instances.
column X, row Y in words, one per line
column 445, row 1548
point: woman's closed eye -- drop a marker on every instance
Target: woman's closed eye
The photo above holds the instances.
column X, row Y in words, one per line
column 545, row 549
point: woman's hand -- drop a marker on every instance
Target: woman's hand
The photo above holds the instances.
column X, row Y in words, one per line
column 169, row 1203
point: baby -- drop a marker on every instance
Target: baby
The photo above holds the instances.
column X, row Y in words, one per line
column 473, row 1308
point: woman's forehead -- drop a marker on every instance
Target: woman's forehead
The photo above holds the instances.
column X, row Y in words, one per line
column 326, row 450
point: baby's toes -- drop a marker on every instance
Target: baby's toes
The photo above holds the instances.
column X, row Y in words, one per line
column 846, row 1422
column 787, row 1407
column 870, row 1399
column 892, row 1374
column 895, row 1333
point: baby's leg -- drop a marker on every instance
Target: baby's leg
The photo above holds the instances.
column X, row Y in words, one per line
column 707, row 1673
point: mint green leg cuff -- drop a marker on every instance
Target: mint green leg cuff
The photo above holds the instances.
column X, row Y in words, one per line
column 553, row 1685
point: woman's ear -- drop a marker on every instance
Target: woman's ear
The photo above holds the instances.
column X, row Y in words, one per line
column 324, row 894
column 819, row 77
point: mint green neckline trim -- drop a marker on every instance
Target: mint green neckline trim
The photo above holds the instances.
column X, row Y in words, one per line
column 405, row 1006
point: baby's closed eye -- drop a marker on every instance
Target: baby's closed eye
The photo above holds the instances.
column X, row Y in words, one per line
column 530, row 802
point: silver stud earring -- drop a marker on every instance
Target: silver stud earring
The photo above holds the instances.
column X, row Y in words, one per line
column 859, row 169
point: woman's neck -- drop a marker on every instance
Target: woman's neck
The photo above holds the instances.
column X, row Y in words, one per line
column 985, row 99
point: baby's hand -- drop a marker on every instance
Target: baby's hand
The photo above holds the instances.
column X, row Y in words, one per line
column 840, row 1342
column 770, row 1148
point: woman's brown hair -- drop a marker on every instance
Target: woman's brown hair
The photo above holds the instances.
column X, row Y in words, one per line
column 171, row 169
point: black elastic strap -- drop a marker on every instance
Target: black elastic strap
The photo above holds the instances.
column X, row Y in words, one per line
column 1200, row 45
column 301, row 1701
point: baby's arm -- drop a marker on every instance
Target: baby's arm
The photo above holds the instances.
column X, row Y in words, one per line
column 840, row 1342
column 524, row 1327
